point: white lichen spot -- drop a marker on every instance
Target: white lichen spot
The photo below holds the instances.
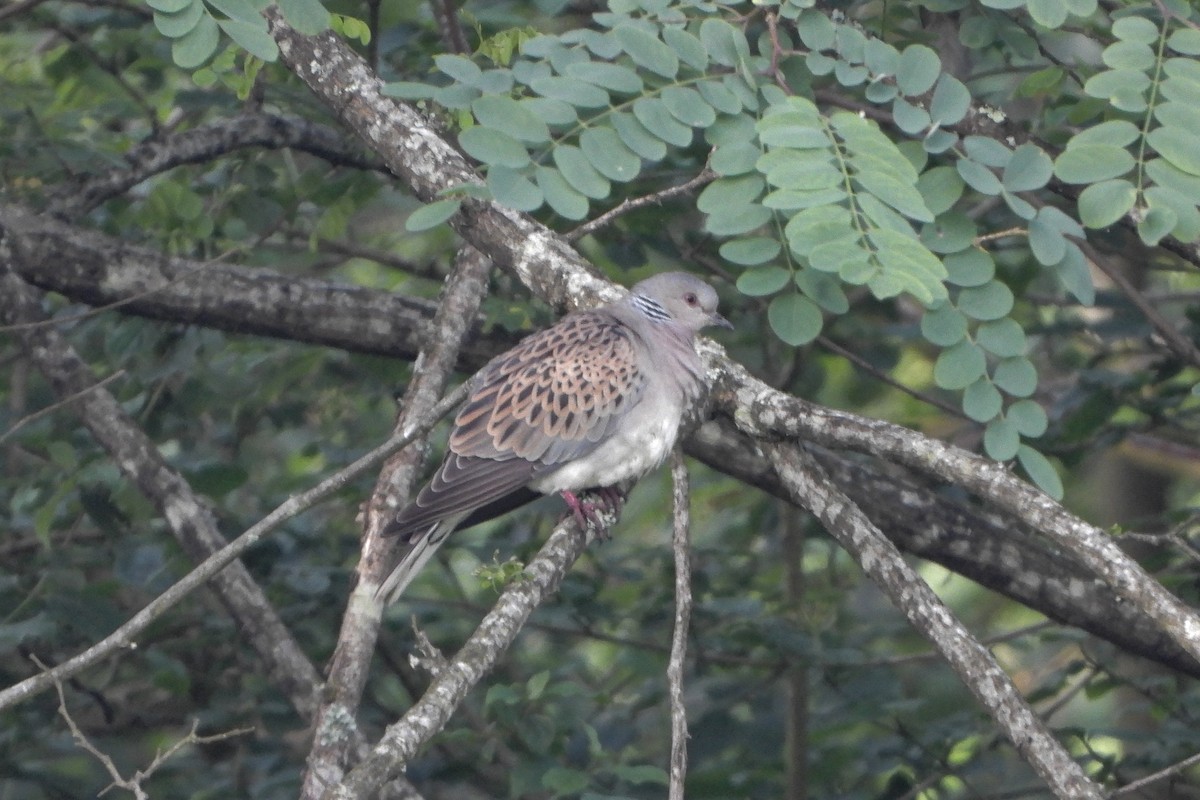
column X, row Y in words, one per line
column 336, row 726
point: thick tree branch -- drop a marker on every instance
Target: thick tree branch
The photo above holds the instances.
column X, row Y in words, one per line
column 766, row 413
column 682, row 548
column 205, row 143
column 477, row 657
column 990, row 548
column 465, row 289
column 804, row 478
column 95, row 269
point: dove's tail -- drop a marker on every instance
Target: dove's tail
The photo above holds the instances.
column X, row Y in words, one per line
column 413, row 557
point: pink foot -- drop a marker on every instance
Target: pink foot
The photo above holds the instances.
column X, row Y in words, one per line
column 588, row 514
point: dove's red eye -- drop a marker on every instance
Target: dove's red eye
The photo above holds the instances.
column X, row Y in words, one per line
column 690, row 299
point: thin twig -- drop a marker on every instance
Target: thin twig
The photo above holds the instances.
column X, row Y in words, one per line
column 706, row 175
column 1179, row 344
column 681, row 546
column 1142, row 783
column 133, row 784
column 123, row 637
column 882, row 376
column 59, row 404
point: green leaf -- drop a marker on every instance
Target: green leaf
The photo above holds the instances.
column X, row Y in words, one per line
column 647, row 51
column 689, row 49
column 816, row 30
column 901, row 196
column 564, row 781
column 513, row 189
column 579, row 172
column 1029, row 418
column 906, row 259
column 910, row 118
column 794, row 318
column 793, row 129
column 431, row 215
column 944, row 326
column 1075, row 276
column 1046, row 242
column 987, row 151
column 1185, row 41
column 762, row 281
column 1047, row 13
column 816, row 226
column 1016, row 376
column 737, row 219
column 1028, row 169
column 307, row 16
column 726, row 192
column 180, row 23
column 717, row 95
column 917, row 70
column 609, row 155
column 992, row 300
column 1043, row 82
column 1001, row 440
column 637, row 138
column 978, row 177
column 959, row 366
column 941, row 187
column 170, row 6
column 493, row 147
column 251, row 37
column 950, row 102
column 737, row 158
column 1102, row 204
column 1040, row 471
column 613, row 77
column 1002, row 337
column 726, row 44
column 949, row 233
column 1092, row 163
column 823, row 289
column 1157, row 223
column 580, row 94
column 456, row 95
column 752, row 251
column 194, row 48
column 1175, row 115
column 409, row 90
column 1135, row 29
column 658, row 120
column 460, row 68
column 687, row 106
column 1116, row 132
column 559, row 195
column 981, row 401
column 1123, row 88
column 971, row 267
column 1178, row 147
column 502, row 113
column 1129, row 55
column 551, row 112
column 1187, row 217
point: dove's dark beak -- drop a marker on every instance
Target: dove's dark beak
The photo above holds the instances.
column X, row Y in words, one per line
column 717, row 320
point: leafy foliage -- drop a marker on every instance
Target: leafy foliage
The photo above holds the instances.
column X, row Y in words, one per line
column 909, row 181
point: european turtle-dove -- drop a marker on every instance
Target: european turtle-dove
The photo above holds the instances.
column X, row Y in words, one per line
column 593, row 402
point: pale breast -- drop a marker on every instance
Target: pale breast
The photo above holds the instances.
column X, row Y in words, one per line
column 639, row 446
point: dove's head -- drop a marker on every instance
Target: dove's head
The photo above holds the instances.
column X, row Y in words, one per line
column 688, row 300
